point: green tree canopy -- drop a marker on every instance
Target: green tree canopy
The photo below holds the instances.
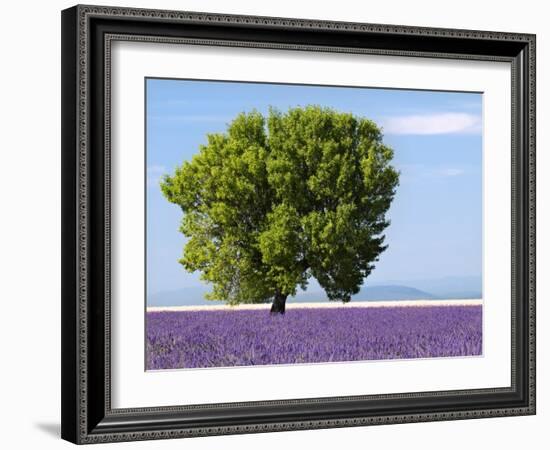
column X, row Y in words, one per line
column 276, row 200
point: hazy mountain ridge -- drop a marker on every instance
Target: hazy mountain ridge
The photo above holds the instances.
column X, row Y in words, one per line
column 445, row 288
column 370, row 293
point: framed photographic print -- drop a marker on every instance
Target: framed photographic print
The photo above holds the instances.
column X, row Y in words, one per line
column 278, row 224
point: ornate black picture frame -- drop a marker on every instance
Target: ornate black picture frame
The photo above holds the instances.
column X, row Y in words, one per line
column 87, row 34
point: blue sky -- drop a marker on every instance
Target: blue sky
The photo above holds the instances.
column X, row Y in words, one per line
column 436, row 216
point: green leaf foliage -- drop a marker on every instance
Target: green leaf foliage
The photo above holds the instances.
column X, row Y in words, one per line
column 276, row 200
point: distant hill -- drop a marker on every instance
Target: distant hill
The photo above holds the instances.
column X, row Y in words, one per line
column 445, row 287
column 370, row 293
column 428, row 289
column 195, row 296
column 392, row 292
column 181, row 297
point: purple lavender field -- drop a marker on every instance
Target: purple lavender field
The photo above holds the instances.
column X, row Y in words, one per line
column 192, row 339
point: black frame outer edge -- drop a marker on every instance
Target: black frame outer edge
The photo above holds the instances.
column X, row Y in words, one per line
column 69, row 294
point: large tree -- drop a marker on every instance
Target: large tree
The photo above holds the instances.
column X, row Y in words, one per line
column 276, row 200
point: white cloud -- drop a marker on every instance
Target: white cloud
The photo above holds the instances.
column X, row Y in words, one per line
column 442, row 123
column 414, row 172
column 190, row 118
column 153, row 175
column 451, row 172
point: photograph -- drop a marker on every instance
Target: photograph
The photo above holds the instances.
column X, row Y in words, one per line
column 303, row 224
column 294, row 221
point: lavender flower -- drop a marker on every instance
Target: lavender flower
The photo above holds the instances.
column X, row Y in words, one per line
column 192, row 339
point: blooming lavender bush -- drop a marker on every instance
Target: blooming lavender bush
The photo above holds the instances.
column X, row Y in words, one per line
column 191, row 339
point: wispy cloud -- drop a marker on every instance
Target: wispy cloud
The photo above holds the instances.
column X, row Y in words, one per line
column 450, row 172
column 190, row 118
column 413, row 172
column 153, row 175
column 171, row 102
column 426, row 124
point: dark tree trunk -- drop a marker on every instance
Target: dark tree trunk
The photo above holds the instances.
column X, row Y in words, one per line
column 278, row 305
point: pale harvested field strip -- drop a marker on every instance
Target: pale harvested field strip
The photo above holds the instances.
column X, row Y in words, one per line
column 369, row 304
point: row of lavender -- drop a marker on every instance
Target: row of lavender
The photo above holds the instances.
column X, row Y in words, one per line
column 192, row 339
